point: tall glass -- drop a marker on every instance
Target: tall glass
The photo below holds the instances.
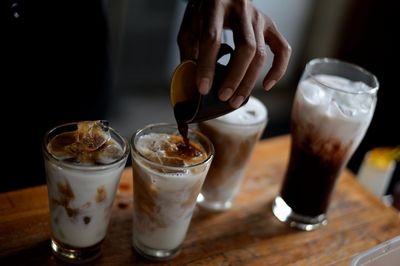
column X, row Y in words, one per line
column 83, row 162
column 332, row 109
column 168, row 175
column 234, row 136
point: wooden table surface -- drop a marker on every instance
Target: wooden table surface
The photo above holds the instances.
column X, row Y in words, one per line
column 248, row 234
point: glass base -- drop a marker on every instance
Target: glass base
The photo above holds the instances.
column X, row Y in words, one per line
column 213, row 205
column 285, row 214
column 155, row 254
column 73, row 254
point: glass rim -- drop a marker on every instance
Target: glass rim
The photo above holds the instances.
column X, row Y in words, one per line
column 330, row 60
column 253, row 124
column 51, row 157
column 134, row 137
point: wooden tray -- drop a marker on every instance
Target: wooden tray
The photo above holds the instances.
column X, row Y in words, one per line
column 248, row 234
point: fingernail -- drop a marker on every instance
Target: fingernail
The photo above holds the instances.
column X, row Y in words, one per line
column 225, row 94
column 237, row 101
column 204, row 86
column 269, row 85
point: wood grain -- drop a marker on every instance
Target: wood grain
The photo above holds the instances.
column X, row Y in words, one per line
column 248, row 234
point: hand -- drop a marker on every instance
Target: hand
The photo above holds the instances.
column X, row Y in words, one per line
column 200, row 38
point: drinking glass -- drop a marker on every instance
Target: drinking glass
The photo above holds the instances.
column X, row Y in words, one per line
column 332, row 110
column 84, row 162
column 234, row 136
column 168, row 175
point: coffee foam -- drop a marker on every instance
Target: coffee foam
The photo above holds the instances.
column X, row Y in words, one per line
column 246, row 121
column 333, row 111
column 252, row 112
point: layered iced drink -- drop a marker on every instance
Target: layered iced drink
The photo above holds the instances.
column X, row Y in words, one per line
column 234, row 136
column 168, row 175
column 330, row 116
column 83, row 162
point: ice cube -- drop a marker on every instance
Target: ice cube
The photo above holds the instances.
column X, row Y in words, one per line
column 168, row 150
column 332, row 81
column 172, row 161
column 357, row 102
column 91, row 143
column 166, row 155
column 313, row 93
column 93, row 134
column 109, row 153
column 60, row 145
column 347, row 110
column 363, row 100
column 367, row 102
column 357, row 87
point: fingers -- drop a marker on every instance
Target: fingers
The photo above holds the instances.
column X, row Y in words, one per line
column 281, row 50
column 245, row 43
column 188, row 40
column 249, row 80
column 213, row 19
column 199, row 38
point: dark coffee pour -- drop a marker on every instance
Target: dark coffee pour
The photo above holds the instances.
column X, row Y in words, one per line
column 182, row 111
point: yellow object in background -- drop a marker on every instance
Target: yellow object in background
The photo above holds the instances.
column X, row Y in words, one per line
column 377, row 168
column 383, row 157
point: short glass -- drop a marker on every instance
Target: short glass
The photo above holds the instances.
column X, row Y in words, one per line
column 234, row 136
column 81, row 193
column 332, row 110
column 167, row 180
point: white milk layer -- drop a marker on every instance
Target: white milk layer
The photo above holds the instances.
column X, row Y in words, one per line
column 173, row 198
column 81, row 202
column 245, row 120
column 333, row 112
column 168, row 230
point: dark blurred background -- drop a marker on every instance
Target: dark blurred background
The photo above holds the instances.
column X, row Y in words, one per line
column 131, row 75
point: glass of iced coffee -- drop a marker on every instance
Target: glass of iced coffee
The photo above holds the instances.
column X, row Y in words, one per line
column 83, row 162
column 234, row 136
column 168, row 174
column 332, row 109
